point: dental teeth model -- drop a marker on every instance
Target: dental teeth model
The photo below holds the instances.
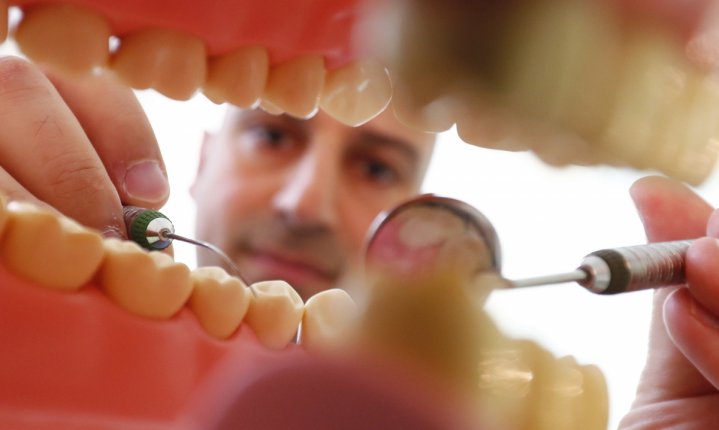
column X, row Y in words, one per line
column 86, row 345
column 123, row 336
column 575, row 81
column 566, row 79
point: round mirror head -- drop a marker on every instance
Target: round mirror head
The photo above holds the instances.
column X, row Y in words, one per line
column 431, row 233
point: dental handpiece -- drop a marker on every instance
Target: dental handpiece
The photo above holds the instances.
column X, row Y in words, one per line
column 625, row 269
column 154, row 231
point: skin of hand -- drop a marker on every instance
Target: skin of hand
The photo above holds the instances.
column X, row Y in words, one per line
column 678, row 388
column 82, row 146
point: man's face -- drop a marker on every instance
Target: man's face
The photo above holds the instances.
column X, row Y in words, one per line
column 293, row 199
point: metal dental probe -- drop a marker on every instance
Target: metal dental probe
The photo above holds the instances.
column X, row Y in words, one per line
column 625, row 269
column 154, row 231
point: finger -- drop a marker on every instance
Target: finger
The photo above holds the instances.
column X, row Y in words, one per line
column 695, row 331
column 122, row 136
column 13, row 190
column 702, row 260
column 669, row 210
column 43, row 147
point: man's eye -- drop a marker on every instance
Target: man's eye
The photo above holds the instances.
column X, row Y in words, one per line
column 378, row 171
column 270, row 137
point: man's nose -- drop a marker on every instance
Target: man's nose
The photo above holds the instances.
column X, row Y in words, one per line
column 308, row 194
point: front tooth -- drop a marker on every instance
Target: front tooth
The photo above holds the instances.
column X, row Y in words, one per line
column 73, row 39
column 238, row 77
column 294, row 86
column 357, row 92
column 490, row 128
column 328, row 320
column 171, row 62
column 150, row 284
column 218, row 300
column 270, row 108
column 434, row 117
column 275, row 313
column 49, row 249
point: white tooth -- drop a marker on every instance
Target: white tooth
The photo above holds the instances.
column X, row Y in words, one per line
column 150, row 284
column 328, row 320
column 652, row 83
column 270, row 108
column 550, row 72
column 49, row 249
column 294, row 86
column 434, row 117
column 357, row 92
column 490, row 128
column 72, row 39
column 238, row 77
column 686, row 140
column 218, row 300
column 275, row 313
column 171, row 62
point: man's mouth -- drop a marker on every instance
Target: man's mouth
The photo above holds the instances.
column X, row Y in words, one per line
column 298, row 272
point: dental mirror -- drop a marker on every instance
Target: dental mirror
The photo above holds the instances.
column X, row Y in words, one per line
column 430, row 233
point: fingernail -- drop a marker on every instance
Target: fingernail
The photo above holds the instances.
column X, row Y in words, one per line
column 112, row 232
column 146, row 181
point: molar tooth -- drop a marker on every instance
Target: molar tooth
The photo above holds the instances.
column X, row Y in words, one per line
column 686, row 140
column 70, row 38
column 275, row 313
column 328, row 320
column 49, row 249
column 294, row 86
column 218, row 300
column 171, row 62
column 652, row 82
column 550, row 73
column 357, row 92
column 150, row 284
column 238, row 77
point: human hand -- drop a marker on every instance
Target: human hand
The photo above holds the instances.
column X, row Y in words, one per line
column 82, row 146
column 678, row 388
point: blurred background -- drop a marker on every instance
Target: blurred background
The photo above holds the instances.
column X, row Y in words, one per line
column 547, row 220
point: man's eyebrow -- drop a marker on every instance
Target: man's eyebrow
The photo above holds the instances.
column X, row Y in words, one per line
column 249, row 115
column 376, row 139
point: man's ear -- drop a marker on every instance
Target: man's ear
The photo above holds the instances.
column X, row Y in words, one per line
column 207, row 139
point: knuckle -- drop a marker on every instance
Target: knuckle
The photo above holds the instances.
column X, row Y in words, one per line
column 18, row 76
column 74, row 175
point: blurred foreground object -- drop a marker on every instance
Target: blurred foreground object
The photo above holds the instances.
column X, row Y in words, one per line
column 576, row 81
column 431, row 264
